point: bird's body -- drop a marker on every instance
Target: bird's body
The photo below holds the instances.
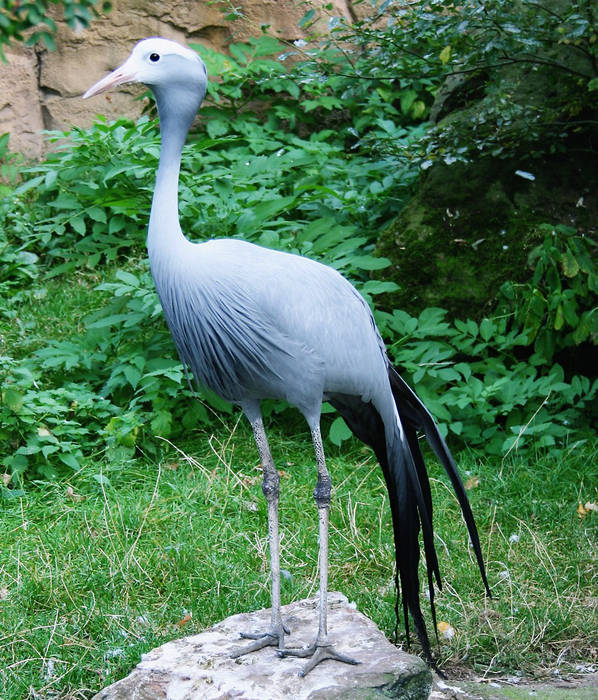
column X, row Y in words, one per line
column 253, row 323
column 237, row 315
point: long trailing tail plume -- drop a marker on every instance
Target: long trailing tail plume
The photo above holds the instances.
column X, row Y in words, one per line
column 409, row 492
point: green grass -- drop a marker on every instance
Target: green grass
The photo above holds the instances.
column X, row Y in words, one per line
column 93, row 574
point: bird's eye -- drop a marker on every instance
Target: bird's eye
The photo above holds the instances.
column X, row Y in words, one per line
column 154, row 57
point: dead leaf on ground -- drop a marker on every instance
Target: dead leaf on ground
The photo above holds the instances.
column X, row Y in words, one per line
column 183, row 621
column 446, row 630
column 3, row 593
column 588, row 507
column 70, row 494
column 472, row 482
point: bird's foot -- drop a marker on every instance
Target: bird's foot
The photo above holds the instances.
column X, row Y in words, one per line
column 318, row 653
column 274, row 637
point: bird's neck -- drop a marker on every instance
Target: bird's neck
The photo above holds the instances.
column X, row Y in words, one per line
column 165, row 236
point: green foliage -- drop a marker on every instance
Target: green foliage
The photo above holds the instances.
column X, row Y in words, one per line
column 30, row 21
column 316, row 87
column 558, row 308
column 46, row 427
column 476, row 44
column 287, row 177
column 88, row 201
column 495, row 385
column 470, row 377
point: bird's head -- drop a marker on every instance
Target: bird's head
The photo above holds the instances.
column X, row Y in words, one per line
column 161, row 64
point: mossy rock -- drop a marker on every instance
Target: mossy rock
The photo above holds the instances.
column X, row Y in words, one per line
column 470, row 228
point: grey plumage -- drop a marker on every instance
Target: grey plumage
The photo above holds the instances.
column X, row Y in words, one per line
column 253, row 323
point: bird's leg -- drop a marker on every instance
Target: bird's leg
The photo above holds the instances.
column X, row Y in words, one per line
column 275, row 635
column 321, row 649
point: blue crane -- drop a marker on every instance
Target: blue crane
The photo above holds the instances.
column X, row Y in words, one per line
column 253, row 323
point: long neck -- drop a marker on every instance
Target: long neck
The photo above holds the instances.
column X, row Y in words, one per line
column 164, row 232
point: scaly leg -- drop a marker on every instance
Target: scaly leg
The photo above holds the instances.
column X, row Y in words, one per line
column 275, row 635
column 321, row 649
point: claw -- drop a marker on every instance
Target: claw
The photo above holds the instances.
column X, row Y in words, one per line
column 272, row 638
column 318, row 653
column 261, row 641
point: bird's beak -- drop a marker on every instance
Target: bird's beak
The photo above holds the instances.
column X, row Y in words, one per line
column 123, row 74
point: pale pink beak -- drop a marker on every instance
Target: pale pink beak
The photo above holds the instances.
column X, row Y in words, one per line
column 118, row 77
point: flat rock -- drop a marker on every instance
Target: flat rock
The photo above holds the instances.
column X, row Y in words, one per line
column 581, row 687
column 200, row 667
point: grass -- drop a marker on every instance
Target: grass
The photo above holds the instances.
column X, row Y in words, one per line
column 96, row 572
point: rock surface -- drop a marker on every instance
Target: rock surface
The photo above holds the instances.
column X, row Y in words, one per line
column 200, row 667
column 584, row 687
column 42, row 89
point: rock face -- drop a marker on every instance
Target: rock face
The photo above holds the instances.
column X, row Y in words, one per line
column 200, row 667
column 42, row 89
column 20, row 108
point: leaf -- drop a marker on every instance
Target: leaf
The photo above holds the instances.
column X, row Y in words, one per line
column 472, row 482
column 101, row 479
column 78, row 223
column 307, row 18
column 184, row 620
column 97, row 214
column 445, row 55
column 132, row 374
column 487, row 329
column 446, row 630
column 127, row 278
column 418, row 109
column 13, row 399
column 114, row 320
column 339, row 431
column 369, row 262
column 408, row 97
column 70, row 460
column 379, row 287
column 569, row 264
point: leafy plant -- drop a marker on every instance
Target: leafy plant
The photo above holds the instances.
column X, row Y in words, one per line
column 30, row 22
column 87, row 201
column 472, row 380
column 558, row 307
column 474, row 45
column 46, row 427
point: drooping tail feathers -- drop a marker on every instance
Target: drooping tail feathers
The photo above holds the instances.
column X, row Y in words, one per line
column 409, row 492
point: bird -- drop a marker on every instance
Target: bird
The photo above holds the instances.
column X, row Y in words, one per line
column 253, row 323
